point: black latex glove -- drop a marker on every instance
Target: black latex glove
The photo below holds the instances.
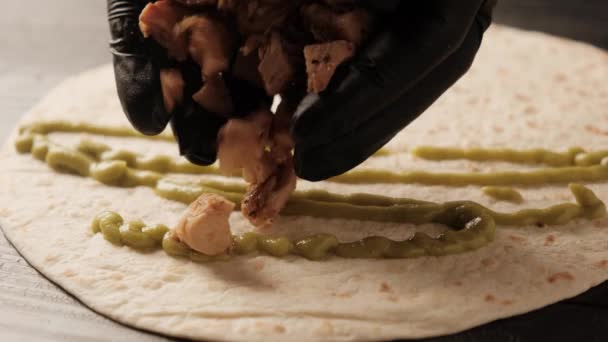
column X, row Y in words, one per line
column 426, row 47
column 137, row 64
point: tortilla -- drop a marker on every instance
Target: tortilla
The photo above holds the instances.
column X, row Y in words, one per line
column 525, row 90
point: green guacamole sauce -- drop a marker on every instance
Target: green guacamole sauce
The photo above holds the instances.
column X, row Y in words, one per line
column 472, row 225
column 574, row 156
column 503, row 194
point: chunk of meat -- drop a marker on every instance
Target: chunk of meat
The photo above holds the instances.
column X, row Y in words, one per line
column 322, row 61
column 246, row 68
column 260, row 16
column 172, row 85
column 198, row 2
column 263, row 202
column 277, row 66
column 264, row 156
column 204, row 227
column 211, row 43
column 215, row 96
column 328, row 25
column 243, row 144
column 158, row 21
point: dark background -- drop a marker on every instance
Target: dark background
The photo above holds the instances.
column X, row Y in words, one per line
column 44, row 41
column 585, row 20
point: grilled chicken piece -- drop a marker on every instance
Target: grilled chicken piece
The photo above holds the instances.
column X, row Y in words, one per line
column 158, row 21
column 172, row 85
column 243, row 144
column 322, row 61
column 204, row 227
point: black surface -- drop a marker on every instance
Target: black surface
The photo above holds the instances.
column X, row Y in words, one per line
column 584, row 318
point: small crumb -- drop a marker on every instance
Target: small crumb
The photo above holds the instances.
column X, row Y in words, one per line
column 489, row 298
column 540, row 225
column 560, row 276
column 603, row 264
column 549, row 240
column 506, row 302
column 384, row 287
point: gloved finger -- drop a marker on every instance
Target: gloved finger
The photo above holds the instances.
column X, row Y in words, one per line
column 346, row 151
column 137, row 64
column 196, row 133
column 418, row 38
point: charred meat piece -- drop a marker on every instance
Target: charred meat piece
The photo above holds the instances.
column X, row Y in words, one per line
column 204, row 227
column 210, row 43
column 158, row 21
column 287, row 48
column 328, row 25
column 172, row 85
column 322, row 61
column 246, row 68
column 264, row 156
column 263, row 202
column 277, row 66
column 260, row 16
column 198, row 2
column 215, row 96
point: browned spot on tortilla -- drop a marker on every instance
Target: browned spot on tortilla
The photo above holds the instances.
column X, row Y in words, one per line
column 517, row 238
column 345, row 294
column 473, row 101
column 259, row 264
column 498, row 129
column 540, row 225
column 279, row 328
column 603, row 263
column 560, row 77
column 51, row 258
column 393, row 298
column 489, row 298
column 530, row 110
column 384, row 287
column 325, row 329
column 595, row 130
column 504, row 72
column 549, row 240
column 458, row 283
column 488, row 262
column 506, row 302
column 531, row 124
column 523, row 98
column 70, row 273
column 560, row 276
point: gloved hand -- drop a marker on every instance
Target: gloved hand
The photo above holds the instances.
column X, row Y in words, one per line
column 424, row 49
column 137, row 65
